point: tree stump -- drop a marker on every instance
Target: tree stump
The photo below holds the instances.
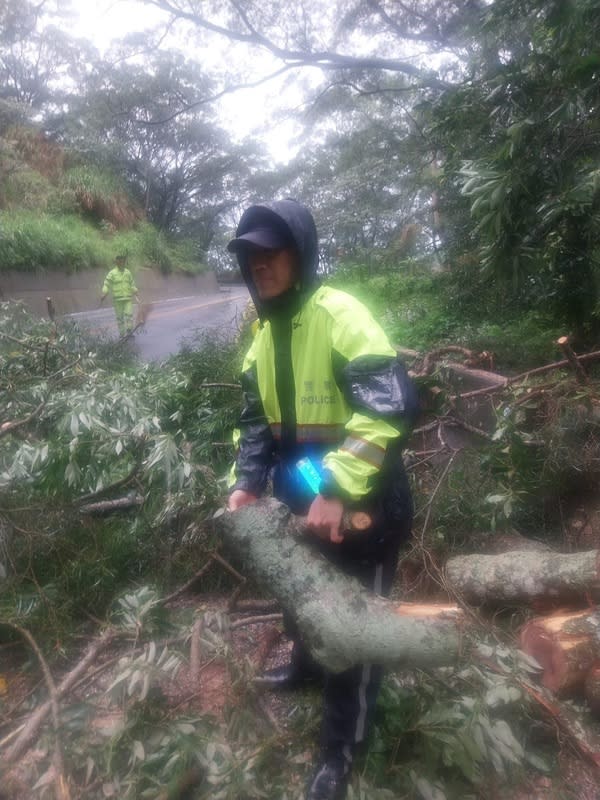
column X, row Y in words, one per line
column 565, row 645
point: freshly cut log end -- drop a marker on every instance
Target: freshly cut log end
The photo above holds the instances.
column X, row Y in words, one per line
column 428, row 610
column 565, row 646
column 539, row 644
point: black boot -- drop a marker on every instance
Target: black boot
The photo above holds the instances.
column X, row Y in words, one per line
column 329, row 781
column 288, row 676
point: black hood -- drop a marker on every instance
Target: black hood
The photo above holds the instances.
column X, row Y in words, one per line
column 297, row 221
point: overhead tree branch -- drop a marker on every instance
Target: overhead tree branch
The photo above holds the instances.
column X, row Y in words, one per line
column 325, row 59
column 400, row 31
column 149, row 123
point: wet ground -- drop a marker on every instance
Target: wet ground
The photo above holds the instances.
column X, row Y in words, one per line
column 168, row 323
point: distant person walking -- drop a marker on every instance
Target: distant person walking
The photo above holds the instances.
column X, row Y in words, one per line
column 120, row 284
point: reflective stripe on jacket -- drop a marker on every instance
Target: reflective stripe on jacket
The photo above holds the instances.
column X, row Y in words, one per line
column 324, row 382
column 120, row 284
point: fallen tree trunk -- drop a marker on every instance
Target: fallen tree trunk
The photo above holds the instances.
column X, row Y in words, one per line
column 565, row 645
column 341, row 623
column 522, row 577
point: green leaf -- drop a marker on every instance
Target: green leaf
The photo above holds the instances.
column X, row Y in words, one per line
column 538, row 762
column 188, row 728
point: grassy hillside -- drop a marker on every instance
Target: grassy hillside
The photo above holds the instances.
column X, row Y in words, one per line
column 57, row 213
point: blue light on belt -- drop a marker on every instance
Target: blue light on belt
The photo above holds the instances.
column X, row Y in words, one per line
column 309, row 472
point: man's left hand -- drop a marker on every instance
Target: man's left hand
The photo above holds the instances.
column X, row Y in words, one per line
column 325, row 518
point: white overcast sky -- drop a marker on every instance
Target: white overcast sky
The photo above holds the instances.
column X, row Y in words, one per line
column 242, row 113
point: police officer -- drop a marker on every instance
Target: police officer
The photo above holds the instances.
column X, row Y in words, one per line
column 322, row 381
column 119, row 282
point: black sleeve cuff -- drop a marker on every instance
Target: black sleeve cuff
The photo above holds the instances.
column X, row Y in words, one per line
column 329, row 488
column 247, row 486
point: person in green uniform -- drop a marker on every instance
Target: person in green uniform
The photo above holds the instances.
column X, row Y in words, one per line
column 120, row 284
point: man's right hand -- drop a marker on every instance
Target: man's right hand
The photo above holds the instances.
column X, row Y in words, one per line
column 239, row 498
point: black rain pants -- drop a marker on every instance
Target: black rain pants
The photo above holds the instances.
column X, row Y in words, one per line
column 349, row 697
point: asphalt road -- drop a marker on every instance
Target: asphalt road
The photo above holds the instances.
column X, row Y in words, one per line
column 170, row 322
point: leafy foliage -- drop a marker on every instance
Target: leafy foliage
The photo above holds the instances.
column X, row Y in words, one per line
column 422, row 311
column 90, row 432
column 530, row 161
column 440, row 735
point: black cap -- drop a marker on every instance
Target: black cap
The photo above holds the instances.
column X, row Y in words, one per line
column 268, row 238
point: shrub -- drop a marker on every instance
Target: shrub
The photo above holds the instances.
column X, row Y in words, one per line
column 166, row 253
column 37, row 151
column 423, row 311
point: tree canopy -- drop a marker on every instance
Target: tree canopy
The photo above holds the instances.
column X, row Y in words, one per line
column 464, row 135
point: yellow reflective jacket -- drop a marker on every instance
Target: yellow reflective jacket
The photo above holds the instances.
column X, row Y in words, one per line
column 120, row 284
column 322, row 380
column 347, row 402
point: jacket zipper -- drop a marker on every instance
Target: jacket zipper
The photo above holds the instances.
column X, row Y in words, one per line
column 285, row 384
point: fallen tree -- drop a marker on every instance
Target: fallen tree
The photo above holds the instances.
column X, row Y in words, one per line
column 524, row 577
column 341, row 623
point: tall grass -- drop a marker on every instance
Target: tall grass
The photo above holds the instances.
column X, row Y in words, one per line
column 34, row 242
column 102, row 196
column 25, row 188
column 31, row 241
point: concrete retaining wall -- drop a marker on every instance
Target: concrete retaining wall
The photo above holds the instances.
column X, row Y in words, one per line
column 81, row 291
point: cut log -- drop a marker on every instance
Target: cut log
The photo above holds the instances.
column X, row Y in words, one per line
column 576, row 366
column 565, row 645
column 505, row 542
column 341, row 623
column 522, row 577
